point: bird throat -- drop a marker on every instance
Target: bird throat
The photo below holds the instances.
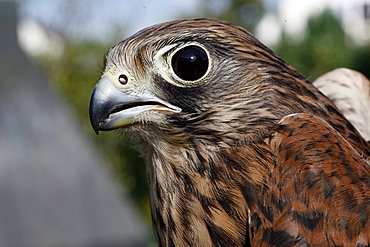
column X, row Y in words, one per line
column 201, row 194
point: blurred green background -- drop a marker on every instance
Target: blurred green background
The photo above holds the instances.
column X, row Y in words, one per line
column 73, row 60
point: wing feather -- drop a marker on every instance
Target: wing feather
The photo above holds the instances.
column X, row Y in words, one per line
column 320, row 188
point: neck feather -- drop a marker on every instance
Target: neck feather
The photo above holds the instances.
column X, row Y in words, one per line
column 201, row 194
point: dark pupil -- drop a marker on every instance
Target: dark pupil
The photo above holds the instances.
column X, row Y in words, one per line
column 190, row 63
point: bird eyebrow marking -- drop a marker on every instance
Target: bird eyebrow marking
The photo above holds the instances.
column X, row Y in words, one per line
column 164, row 50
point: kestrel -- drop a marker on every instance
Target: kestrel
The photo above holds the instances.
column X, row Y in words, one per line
column 241, row 149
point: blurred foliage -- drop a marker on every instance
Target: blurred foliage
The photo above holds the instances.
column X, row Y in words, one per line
column 361, row 59
column 324, row 47
column 246, row 13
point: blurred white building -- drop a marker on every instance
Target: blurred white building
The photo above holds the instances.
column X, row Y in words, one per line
column 35, row 39
column 356, row 19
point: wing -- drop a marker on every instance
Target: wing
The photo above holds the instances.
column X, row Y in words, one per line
column 350, row 92
column 319, row 192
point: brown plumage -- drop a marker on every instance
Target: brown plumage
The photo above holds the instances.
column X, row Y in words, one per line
column 241, row 149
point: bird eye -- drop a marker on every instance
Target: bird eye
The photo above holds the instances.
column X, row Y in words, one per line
column 190, row 63
column 123, row 79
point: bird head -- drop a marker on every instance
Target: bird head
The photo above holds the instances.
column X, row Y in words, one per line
column 202, row 79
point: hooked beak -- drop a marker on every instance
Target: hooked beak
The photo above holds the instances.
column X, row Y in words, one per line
column 111, row 108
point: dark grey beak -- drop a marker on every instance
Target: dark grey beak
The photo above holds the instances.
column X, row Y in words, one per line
column 111, row 108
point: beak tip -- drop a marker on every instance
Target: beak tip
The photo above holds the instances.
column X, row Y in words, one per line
column 96, row 131
column 94, row 125
column 93, row 114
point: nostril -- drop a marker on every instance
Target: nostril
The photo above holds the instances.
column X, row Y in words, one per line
column 123, row 79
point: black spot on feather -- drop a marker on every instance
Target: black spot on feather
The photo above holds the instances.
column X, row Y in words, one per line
column 255, row 221
column 266, row 211
column 278, row 202
column 205, row 202
column 310, row 179
column 279, row 238
column 309, row 220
